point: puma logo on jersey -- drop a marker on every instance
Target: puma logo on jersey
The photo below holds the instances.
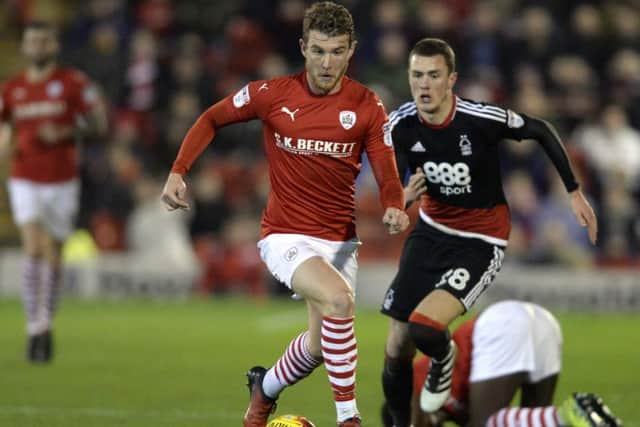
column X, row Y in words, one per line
column 264, row 86
column 290, row 113
column 418, row 147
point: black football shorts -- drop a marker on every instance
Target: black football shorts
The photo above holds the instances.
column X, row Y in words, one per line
column 432, row 259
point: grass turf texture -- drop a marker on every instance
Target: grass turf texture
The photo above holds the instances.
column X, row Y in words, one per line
column 145, row 363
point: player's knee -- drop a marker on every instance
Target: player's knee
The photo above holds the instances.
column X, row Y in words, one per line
column 397, row 365
column 399, row 343
column 340, row 304
column 33, row 252
column 429, row 336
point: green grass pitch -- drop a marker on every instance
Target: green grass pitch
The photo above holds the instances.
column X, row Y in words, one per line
column 145, row 363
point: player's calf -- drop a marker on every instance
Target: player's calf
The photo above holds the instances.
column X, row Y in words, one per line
column 397, row 383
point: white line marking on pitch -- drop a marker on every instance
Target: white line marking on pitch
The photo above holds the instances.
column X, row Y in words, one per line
column 114, row 413
column 281, row 321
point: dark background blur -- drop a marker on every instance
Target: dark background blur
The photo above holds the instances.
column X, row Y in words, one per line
column 160, row 63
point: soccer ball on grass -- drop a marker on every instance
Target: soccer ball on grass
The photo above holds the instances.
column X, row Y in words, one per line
column 290, row 421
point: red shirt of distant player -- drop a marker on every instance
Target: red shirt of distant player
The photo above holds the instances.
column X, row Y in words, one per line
column 59, row 99
column 314, row 146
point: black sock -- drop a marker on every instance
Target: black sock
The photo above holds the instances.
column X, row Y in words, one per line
column 397, row 383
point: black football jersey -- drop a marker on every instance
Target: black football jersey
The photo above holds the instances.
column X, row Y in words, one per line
column 460, row 161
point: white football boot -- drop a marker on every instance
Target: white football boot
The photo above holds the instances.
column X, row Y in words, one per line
column 437, row 386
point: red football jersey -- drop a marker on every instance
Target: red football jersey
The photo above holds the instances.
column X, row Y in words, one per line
column 59, row 99
column 314, row 146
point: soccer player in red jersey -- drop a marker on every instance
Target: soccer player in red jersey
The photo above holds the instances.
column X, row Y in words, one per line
column 316, row 126
column 48, row 108
column 511, row 346
column 456, row 248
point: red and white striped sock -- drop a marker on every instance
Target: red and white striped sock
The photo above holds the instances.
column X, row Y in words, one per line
column 51, row 286
column 295, row 364
column 31, row 292
column 340, row 355
column 526, row 417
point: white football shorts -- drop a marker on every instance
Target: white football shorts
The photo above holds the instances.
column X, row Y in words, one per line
column 283, row 253
column 53, row 205
column 514, row 336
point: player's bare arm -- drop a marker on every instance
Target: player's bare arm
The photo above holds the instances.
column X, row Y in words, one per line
column 175, row 192
column 419, row 418
column 5, row 140
column 585, row 214
column 415, row 187
column 95, row 121
column 51, row 133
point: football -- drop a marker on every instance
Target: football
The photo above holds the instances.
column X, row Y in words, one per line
column 290, row 421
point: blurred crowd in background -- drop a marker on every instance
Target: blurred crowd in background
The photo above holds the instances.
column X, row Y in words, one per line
column 160, row 63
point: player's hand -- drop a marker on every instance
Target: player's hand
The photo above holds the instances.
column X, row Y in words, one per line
column 175, row 192
column 50, row 133
column 584, row 213
column 428, row 419
column 396, row 220
column 416, row 187
column 6, row 147
column 436, row 419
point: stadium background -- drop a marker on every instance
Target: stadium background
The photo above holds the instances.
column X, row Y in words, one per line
column 161, row 62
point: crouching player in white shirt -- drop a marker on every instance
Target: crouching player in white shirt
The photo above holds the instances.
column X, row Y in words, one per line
column 511, row 346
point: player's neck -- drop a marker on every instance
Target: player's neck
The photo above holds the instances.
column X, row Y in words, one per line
column 442, row 114
column 37, row 74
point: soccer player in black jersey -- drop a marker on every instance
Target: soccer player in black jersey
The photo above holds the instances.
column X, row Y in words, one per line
column 450, row 146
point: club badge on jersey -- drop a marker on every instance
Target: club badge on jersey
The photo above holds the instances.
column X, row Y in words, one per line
column 54, row 89
column 347, row 119
column 465, row 145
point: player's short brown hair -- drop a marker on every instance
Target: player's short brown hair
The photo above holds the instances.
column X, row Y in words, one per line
column 433, row 47
column 328, row 18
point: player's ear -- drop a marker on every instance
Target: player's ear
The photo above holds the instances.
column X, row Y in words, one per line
column 352, row 48
column 453, row 78
column 56, row 45
column 302, row 47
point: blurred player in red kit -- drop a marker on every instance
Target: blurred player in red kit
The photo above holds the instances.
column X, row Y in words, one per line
column 510, row 346
column 48, row 108
column 316, row 126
